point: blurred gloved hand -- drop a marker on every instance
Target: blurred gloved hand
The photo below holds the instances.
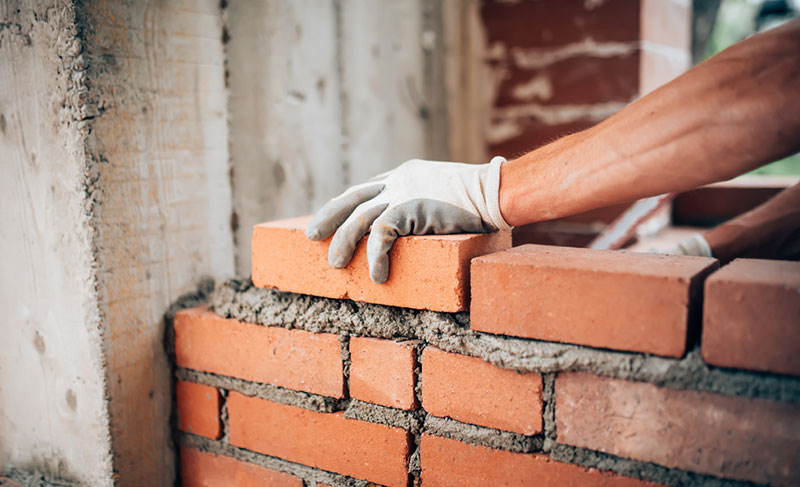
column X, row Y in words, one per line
column 418, row 197
column 695, row 245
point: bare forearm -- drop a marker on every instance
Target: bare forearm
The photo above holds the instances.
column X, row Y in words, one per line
column 735, row 112
column 771, row 230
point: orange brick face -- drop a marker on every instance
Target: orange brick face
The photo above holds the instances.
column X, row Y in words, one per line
column 731, row 437
column 473, row 391
column 752, row 316
column 447, row 462
column 294, row 359
column 382, row 372
column 623, row 301
column 329, row 441
column 201, row 469
column 198, row 409
column 427, row 272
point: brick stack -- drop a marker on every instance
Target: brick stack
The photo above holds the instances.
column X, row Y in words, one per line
column 575, row 367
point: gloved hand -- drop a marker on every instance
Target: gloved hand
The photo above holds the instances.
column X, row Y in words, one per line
column 418, row 197
column 694, row 244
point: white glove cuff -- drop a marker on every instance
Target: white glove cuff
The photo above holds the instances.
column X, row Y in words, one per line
column 697, row 245
column 493, row 194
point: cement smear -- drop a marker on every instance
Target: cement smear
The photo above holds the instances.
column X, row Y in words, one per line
column 18, row 477
column 478, row 435
column 241, row 300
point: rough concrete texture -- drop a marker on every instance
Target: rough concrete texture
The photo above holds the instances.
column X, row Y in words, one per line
column 53, row 411
column 364, row 411
column 241, row 300
column 308, row 474
column 340, row 93
column 16, row 477
column 156, row 104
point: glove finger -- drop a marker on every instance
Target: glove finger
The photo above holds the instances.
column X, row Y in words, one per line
column 385, row 231
column 336, row 211
column 352, row 230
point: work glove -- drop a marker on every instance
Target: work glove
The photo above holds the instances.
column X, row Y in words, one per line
column 416, row 198
column 694, row 244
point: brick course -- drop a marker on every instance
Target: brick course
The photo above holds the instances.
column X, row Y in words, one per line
column 198, row 409
column 427, row 272
column 447, row 462
column 201, row 469
column 328, row 441
column 382, row 372
column 752, row 316
column 473, row 391
column 294, row 359
column 731, row 437
column 624, row 301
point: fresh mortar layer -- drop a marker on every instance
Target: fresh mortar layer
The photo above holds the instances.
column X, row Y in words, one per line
column 239, row 299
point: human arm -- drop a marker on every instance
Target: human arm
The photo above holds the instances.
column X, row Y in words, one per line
column 730, row 114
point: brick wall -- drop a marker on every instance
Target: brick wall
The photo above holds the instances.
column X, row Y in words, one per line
column 570, row 367
column 560, row 66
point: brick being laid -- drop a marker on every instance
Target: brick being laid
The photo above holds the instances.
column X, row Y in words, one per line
column 752, row 316
column 606, row 299
column 427, row 271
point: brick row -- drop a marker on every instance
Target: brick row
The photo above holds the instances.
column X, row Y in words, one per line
column 731, row 437
column 427, row 272
column 202, row 469
column 382, row 372
column 198, row 409
column 752, row 316
column 295, row 359
column 624, row 301
column 473, row 391
column 328, row 441
column 445, row 462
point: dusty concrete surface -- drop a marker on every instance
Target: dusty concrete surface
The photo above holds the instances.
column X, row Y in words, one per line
column 53, row 414
column 241, row 300
column 162, row 200
column 323, row 95
column 16, row 477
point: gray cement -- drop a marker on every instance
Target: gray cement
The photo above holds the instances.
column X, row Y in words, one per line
column 312, row 402
column 479, row 435
column 374, row 413
column 17, row 477
column 241, row 300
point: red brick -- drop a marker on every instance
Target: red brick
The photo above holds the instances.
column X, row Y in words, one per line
column 448, row 462
column 198, row 409
column 731, row 437
column 294, row 359
column 752, row 316
column 473, row 391
column 201, row 469
column 427, row 272
column 533, row 134
column 553, row 23
column 581, row 79
column 608, row 299
column 382, row 372
column 329, row 441
column 719, row 202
